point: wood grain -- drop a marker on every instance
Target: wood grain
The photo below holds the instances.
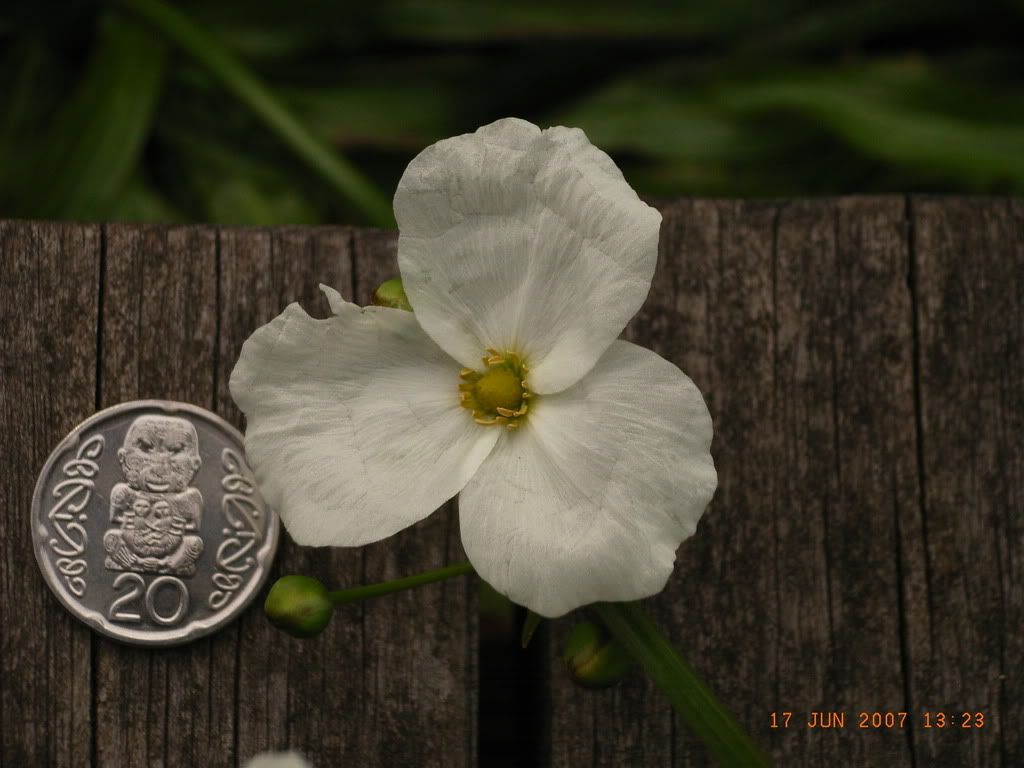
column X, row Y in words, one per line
column 158, row 317
column 49, row 290
column 966, row 650
column 862, row 360
column 162, row 312
column 262, row 272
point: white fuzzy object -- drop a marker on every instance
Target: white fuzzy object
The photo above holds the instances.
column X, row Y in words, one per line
column 278, row 760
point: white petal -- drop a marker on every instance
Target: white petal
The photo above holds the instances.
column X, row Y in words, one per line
column 334, row 299
column 278, row 760
column 524, row 240
column 591, row 498
column 354, row 428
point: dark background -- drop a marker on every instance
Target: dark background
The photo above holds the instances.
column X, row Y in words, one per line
column 105, row 115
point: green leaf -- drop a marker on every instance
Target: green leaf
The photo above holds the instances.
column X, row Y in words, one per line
column 251, row 92
column 897, row 121
column 879, row 122
column 402, row 112
column 313, row 22
column 659, row 120
column 97, row 136
column 229, row 184
column 691, row 698
column 19, row 71
column 138, row 201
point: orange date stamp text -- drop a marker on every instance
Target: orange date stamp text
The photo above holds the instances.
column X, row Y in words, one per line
column 878, row 720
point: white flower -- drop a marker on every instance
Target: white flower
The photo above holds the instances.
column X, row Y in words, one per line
column 582, row 461
column 277, row 760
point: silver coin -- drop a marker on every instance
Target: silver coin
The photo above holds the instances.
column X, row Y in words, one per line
column 147, row 524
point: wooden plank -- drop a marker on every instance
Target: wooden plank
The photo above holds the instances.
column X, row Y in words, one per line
column 785, row 316
column 863, row 551
column 173, row 706
column 845, row 425
column 302, row 694
column 174, row 317
column 875, row 478
column 722, row 320
column 49, row 294
column 421, row 645
column 965, row 641
column 725, row 589
column 387, row 682
column 713, row 285
column 1012, row 693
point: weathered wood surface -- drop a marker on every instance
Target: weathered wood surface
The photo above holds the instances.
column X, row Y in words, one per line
column 862, row 359
column 93, row 316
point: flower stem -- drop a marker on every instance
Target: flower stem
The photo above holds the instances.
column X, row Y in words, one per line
column 692, row 699
column 341, row 174
column 385, row 588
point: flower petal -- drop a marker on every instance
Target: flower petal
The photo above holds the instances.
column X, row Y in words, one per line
column 278, row 760
column 591, row 498
column 527, row 241
column 354, row 428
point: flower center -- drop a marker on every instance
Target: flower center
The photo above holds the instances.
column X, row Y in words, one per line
column 499, row 388
column 498, row 395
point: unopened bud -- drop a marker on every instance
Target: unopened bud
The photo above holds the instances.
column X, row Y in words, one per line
column 593, row 658
column 299, row 605
column 391, row 293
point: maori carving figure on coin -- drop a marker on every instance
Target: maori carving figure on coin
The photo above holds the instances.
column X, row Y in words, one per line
column 158, row 513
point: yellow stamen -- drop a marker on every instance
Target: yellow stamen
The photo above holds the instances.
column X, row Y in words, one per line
column 497, row 395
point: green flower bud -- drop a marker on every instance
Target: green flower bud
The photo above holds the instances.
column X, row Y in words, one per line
column 299, row 605
column 593, row 658
column 391, row 293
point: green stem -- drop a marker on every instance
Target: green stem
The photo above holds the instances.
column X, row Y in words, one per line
column 249, row 90
column 385, row 588
column 692, row 699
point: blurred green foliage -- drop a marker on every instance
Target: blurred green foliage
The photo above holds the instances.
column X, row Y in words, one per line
column 106, row 114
